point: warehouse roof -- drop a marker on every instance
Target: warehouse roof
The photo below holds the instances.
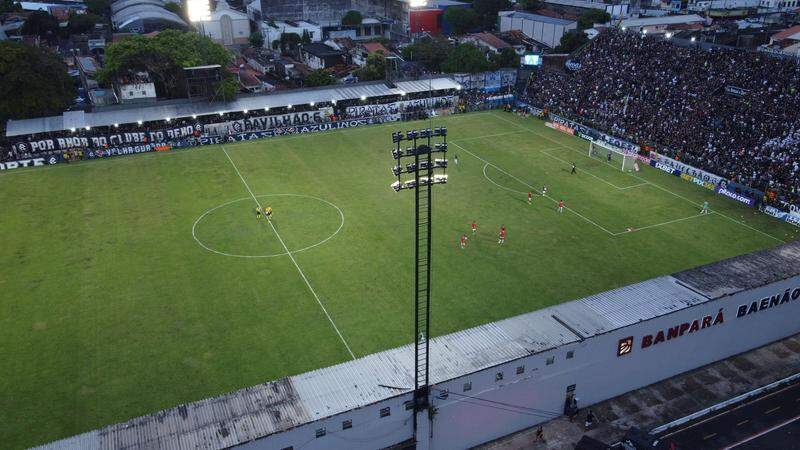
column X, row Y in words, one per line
column 666, row 20
column 130, row 115
column 536, row 18
column 268, row 408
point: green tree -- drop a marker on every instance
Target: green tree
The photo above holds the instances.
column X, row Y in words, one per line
column 374, row 69
column 176, row 9
column 34, row 83
column 487, row 11
column 465, row 58
column 99, row 7
column 319, row 77
column 530, row 5
column 42, row 24
column 591, row 17
column 9, row 6
column 83, row 23
column 571, row 41
column 306, row 39
column 430, row 52
column 256, row 39
column 163, row 56
column 288, row 42
column 462, row 20
column 352, row 18
column 228, row 89
column 506, row 58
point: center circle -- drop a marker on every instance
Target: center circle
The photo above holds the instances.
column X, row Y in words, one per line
column 300, row 222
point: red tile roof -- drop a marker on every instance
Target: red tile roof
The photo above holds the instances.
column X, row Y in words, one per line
column 781, row 35
column 375, row 47
column 490, row 39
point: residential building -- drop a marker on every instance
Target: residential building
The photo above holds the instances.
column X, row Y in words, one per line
column 320, row 56
column 661, row 24
column 273, row 30
column 136, row 87
column 486, row 41
column 543, row 29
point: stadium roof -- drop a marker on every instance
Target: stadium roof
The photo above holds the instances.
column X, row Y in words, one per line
column 666, row 20
column 131, row 11
column 536, row 18
column 268, row 408
column 79, row 119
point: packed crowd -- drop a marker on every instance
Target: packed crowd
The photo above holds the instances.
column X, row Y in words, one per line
column 730, row 112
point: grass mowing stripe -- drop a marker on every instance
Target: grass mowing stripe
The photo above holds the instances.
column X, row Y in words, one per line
column 291, row 256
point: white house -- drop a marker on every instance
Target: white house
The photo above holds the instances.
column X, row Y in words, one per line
column 273, row 30
column 135, row 87
column 780, row 5
column 547, row 30
column 227, row 25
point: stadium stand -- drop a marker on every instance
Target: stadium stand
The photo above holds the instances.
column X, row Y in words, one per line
column 731, row 112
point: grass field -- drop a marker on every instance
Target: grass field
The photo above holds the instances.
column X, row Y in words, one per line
column 135, row 284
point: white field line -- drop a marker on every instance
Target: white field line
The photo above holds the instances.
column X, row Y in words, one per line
column 544, row 152
column 533, row 189
column 763, row 432
column 291, row 256
column 485, row 175
column 660, row 224
column 645, row 181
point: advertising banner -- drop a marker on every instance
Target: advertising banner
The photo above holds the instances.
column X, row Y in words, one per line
column 583, row 131
column 722, row 190
column 781, row 215
column 687, row 169
column 398, row 107
column 32, row 162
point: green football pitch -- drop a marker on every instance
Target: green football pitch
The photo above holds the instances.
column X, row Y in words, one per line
column 134, row 284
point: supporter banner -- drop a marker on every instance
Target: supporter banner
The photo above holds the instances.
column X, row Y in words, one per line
column 572, row 65
column 32, row 162
column 781, row 215
column 106, row 140
column 397, row 107
column 263, row 123
column 688, row 170
column 721, row 190
column 736, row 91
column 352, row 123
column 582, row 130
column 126, row 150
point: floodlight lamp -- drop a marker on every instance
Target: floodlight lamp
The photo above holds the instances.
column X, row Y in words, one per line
column 668, row 35
column 624, row 28
column 72, row 129
column 311, row 104
column 333, row 102
column 458, row 88
column 693, row 39
column 288, row 106
column 116, row 125
column 245, row 111
column 88, row 128
column 167, row 119
column 402, row 93
column 417, row 3
column 266, row 108
column 363, row 98
column 139, row 122
column 221, row 114
column 194, row 116
column 198, row 10
column 644, row 31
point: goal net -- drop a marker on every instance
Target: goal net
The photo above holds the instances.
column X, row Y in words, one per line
column 612, row 155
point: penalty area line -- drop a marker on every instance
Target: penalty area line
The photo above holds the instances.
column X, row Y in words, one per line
column 533, row 189
column 662, row 224
column 291, row 256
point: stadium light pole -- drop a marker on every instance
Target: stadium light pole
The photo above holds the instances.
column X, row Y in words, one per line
column 416, row 169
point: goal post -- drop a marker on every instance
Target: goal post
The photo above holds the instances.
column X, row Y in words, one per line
column 612, row 155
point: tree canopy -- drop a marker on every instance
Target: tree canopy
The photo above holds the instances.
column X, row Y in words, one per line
column 83, row 23
column 256, row 39
column 163, row 56
column 487, row 11
column 9, row 6
column 571, row 41
column 430, row 52
column 352, row 18
column 462, row 20
column 34, row 83
column 374, row 69
column 506, row 58
column 465, row 58
column 591, row 17
column 530, row 5
column 319, row 77
column 42, row 24
column 99, row 7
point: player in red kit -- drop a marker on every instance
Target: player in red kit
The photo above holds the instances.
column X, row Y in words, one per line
column 502, row 239
column 474, row 228
column 463, row 242
column 561, row 206
column 530, row 197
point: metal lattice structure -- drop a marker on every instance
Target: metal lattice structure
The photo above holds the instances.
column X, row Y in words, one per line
column 417, row 169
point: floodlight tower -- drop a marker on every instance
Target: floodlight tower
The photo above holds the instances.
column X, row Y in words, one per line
column 417, row 169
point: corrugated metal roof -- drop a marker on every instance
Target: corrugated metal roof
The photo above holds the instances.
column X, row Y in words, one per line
column 268, row 408
column 187, row 109
column 666, row 20
column 538, row 18
column 744, row 272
